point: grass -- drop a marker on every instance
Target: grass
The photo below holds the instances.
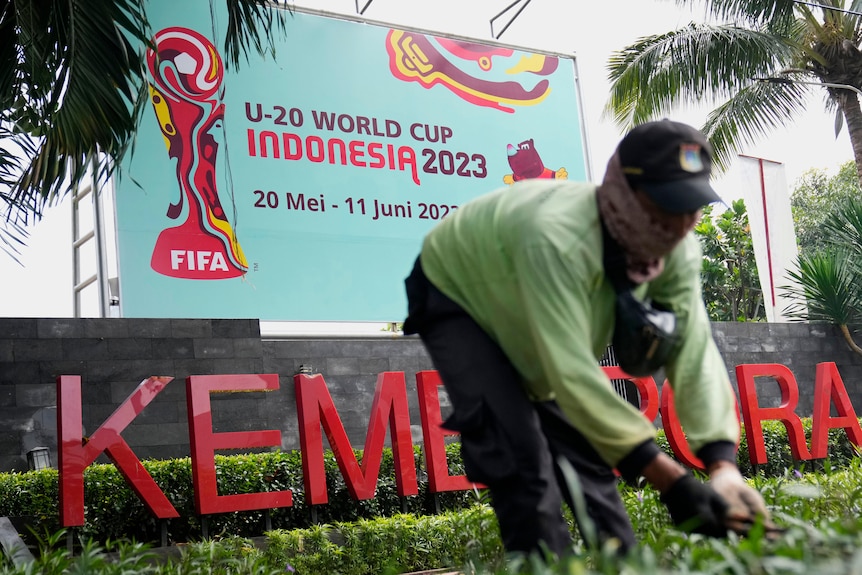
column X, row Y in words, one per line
column 820, row 511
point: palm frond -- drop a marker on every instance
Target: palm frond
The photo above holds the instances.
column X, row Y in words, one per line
column 658, row 73
column 73, row 86
column 13, row 217
column 248, row 22
column 845, row 226
column 753, row 12
column 856, row 6
column 754, row 111
column 79, row 77
column 8, row 53
column 825, row 288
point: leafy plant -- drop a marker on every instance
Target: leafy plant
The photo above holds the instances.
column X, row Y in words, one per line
column 731, row 286
column 820, row 513
column 814, row 198
column 73, row 86
column 826, row 283
column 793, row 48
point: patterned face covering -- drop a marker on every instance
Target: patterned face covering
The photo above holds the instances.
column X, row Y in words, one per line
column 645, row 238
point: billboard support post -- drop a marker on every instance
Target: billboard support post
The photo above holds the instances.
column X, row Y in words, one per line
column 94, row 237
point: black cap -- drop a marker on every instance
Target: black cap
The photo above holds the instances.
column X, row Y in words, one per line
column 671, row 162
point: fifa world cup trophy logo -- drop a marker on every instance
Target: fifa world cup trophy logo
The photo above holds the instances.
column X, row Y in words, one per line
column 187, row 73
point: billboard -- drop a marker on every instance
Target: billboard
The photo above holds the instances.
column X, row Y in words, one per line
column 299, row 187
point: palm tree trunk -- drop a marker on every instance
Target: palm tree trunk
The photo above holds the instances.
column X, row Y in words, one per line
column 849, row 102
column 848, row 337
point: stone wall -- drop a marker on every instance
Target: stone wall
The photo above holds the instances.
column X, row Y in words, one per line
column 113, row 356
column 799, row 347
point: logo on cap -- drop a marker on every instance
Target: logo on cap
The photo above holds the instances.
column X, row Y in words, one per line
column 689, row 158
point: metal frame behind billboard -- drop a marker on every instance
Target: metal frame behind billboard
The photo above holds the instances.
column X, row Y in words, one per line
column 299, row 187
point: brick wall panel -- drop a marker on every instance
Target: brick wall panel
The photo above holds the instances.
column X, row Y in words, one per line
column 138, row 348
column 59, row 328
column 18, row 328
column 191, row 328
column 86, row 348
column 173, row 348
column 151, row 328
column 19, row 372
column 107, row 353
column 105, row 328
column 35, row 395
column 37, row 349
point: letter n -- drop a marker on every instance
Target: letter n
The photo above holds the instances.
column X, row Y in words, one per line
column 315, row 409
column 434, row 435
column 828, row 388
column 76, row 454
column 753, row 415
column 204, row 443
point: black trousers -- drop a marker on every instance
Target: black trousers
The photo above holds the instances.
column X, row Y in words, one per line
column 509, row 443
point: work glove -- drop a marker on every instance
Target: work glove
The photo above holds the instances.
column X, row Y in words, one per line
column 744, row 502
column 696, row 507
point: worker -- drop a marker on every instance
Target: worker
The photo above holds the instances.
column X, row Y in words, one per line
column 518, row 293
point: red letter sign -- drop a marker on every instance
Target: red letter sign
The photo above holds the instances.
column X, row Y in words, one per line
column 76, row 453
column 753, row 415
column 829, row 386
column 647, row 390
column 314, row 407
column 204, row 443
column 673, row 430
column 434, row 435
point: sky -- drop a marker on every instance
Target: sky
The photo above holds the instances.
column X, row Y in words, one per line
column 42, row 287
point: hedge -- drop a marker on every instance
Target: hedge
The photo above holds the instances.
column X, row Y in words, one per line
column 113, row 511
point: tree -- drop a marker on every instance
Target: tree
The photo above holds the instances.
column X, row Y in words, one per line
column 813, row 200
column 827, row 279
column 789, row 42
column 731, row 286
column 786, row 39
column 72, row 87
column 828, row 282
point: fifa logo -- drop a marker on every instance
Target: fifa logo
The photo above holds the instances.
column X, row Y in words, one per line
column 187, row 74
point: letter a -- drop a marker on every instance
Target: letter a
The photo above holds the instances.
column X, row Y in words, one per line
column 828, row 388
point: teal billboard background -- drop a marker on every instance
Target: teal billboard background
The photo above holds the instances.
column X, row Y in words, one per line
column 322, row 167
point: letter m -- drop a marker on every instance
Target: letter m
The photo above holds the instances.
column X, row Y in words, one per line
column 315, row 410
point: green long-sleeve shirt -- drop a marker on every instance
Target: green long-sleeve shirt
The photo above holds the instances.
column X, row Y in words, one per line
column 526, row 263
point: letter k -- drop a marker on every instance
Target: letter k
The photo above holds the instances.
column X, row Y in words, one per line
column 76, row 454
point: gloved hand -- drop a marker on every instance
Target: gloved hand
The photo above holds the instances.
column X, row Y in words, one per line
column 744, row 502
column 696, row 507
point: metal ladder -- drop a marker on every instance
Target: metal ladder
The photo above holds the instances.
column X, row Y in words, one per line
column 93, row 238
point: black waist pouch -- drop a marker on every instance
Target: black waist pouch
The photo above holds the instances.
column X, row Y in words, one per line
column 645, row 333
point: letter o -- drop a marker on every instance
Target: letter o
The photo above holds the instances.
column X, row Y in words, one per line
column 315, row 155
column 295, row 117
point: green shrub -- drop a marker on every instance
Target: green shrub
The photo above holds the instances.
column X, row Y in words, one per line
column 397, row 544
column 821, row 513
column 114, row 511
